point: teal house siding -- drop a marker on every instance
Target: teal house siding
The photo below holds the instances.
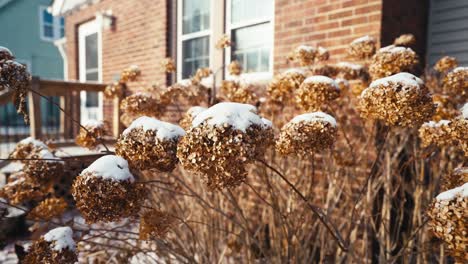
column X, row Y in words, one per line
column 20, row 31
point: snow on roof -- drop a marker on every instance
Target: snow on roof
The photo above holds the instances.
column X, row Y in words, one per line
column 437, row 124
column 34, row 142
column 350, row 65
column 363, row 39
column 195, row 110
column 163, row 130
column 404, row 78
column 62, row 238
column 395, row 49
column 110, row 167
column 320, row 79
column 315, row 117
column 239, row 116
column 464, row 111
column 453, row 193
column 60, row 7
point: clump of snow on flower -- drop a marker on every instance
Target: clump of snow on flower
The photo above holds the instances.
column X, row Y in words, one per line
column 321, row 79
column 34, row 142
column 305, row 48
column 451, row 194
column 394, row 49
column 404, row 78
column 363, row 39
column 110, row 167
column 252, row 79
column 93, row 123
column 62, row 238
column 458, row 69
column 195, row 110
column 239, row 116
column 350, row 65
column 315, row 117
column 464, row 111
column 295, row 70
column 163, row 130
column 440, row 123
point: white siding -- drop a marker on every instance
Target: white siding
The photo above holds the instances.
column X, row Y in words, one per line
column 448, row 30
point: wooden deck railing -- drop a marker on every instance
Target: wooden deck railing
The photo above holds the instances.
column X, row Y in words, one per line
column 68, row 94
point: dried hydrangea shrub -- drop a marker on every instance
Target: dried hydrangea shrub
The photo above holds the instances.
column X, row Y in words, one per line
column 398, row 100
column 306, row 134
column 89, row 138
column 445, row 107
column 223, row 42
column 5, row 54
column 187, row 119
column 316, row 91
column 405, row 40
column 351, row 71
column 115, row 89
column 456, row 81
column 446, row 64
column 27, row 148
column 193, row 93
column 362, row 48
column 281, row 89
column 449, row 221
column 234, row 68
column 150, row 144
column 130, row 74
column 436, row 133
column 106, row 191
column 236, row 91
column 460, row 134
column 222, row 140
column 23, row 189
column 168, row 65
column 200, row 74
column 155, row 224
column 457, row 178
column 391, row 60
column 48, row 209
column 55, row 247
column 14, row 76
column 308, row 55
column 44, row 167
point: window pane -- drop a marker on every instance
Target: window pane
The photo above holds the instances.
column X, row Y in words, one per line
column 48, row 31
column 91, row 46
column 92, row 76
column 62, row 32
column 252, row 47
column 245, row 10
column 47, row 17
column 62, row 21
column 195, row 54
column 92, row 99
column 195, row 15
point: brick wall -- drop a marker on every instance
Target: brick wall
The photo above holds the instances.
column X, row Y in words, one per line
column 329, row 23
column 139, row 38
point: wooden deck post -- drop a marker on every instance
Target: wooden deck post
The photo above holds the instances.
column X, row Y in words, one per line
column 34, row 109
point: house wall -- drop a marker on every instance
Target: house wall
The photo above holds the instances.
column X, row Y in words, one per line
column 331, row 24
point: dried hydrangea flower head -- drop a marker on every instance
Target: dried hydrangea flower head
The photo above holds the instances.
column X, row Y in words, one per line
column 391, row 60
column 398, row 100
column 48, row 209
column 187, row 119
column 234, row 68
column 141, row 104
column 436, row 133
column 351, row 71
column 281, row 89
column 200, row 74
column 130, row 74
column 168, row 65
column 237, row 91
column 45, row 167
column 15, row 77
column 457, row 178
column 405, row 40
column 460, row 128
column 55, row 247
column 322, row 54
column 308, row 55
column 445, row 64
column 306, row 134
column 150, row 144
column 5, row 54
column 316, row 91
column 456, row 81
column 222, row 140
column 193, row 93
column 155, row 224
column 449, row 220
column 445, row 107
column 362, row 48
column 23, row 188
column 106, row 191
column 89, row 138
column 115, row 89
column 27, row 148
column 223, row 42
column 343, row 84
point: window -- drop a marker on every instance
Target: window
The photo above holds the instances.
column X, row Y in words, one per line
column 250, row 26
column 51, row 28
column 193, row 36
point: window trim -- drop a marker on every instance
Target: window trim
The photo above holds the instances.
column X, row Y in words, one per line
column 55, row 26
column 252, row 22
column 183, row 37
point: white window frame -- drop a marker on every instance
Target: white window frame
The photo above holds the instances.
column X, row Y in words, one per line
column 228, row 29
column 182, row 37
column 55, row 25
